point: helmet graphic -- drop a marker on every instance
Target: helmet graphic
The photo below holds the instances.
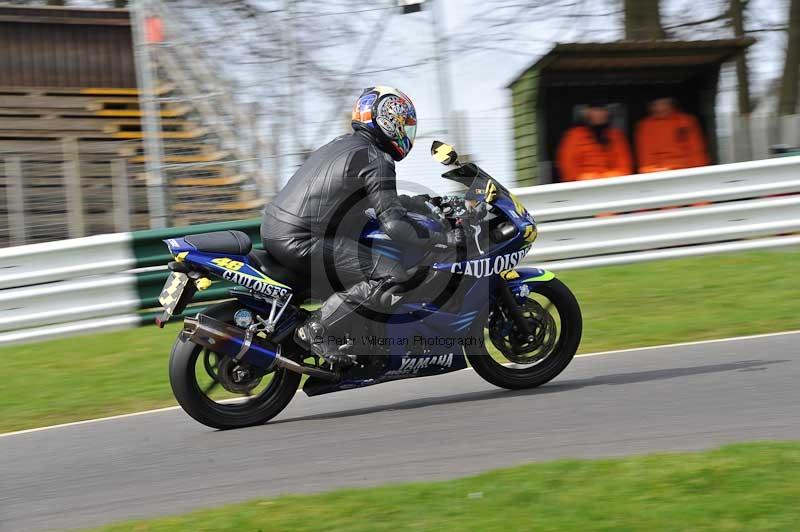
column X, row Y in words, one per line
column 390, row 116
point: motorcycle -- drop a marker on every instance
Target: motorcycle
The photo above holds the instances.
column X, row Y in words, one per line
column 237, row 364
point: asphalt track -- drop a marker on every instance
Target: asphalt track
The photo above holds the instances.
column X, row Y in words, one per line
column 673, row 398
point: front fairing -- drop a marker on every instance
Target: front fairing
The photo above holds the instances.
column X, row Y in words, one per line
column 481, row 187
column 497, row 257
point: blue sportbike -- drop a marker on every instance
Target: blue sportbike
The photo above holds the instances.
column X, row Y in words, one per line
column 236, row 363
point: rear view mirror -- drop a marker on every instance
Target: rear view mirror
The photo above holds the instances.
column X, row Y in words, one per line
column 444, row 153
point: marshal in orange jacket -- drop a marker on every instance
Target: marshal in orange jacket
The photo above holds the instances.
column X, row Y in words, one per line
column 580, row 156
column 675, row 141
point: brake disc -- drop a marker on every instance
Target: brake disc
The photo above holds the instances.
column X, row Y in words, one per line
column 512, row 344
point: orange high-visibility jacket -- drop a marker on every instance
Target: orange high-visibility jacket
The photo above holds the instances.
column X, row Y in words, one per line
column 670, row 143
column 581, row 157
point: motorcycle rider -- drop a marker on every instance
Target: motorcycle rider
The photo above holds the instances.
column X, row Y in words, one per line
column 314, row 223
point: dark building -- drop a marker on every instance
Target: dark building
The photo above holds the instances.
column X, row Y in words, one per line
column 65, row 47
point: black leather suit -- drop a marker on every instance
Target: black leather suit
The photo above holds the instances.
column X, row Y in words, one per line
column 313, row 225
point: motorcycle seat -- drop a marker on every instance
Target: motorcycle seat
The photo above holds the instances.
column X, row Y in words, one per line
column 227, row 242
column 265, row 262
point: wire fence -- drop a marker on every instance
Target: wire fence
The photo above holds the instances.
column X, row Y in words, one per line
column 202, row 148
column 67, row 188
column 217, row 144
column 757, row 137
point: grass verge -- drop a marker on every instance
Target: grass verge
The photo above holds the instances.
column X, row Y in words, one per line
column 623, row 306
column 740, row 487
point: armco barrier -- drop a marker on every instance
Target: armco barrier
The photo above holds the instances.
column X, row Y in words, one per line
column 748, row 219
column 65, row 259
column 725, row 182
column 92, row 284
column 108, row 282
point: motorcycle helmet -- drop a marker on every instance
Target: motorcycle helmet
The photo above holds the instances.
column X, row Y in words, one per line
column 390, row 116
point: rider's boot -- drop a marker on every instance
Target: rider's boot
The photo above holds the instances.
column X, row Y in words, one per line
column 314, row 336
column 323, row 332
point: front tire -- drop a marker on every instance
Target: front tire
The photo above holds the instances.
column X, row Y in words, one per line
column 224, row 415
column 542, row 368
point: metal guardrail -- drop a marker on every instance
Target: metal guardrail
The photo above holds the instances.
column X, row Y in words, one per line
column 65, row 259
column 91, row 284
column 107, row 282
column 682, row 227
column 723, row 182
column 67, row 301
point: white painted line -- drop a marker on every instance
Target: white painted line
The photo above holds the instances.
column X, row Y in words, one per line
column 87, row 421
column 602, row 353
column 687, row 344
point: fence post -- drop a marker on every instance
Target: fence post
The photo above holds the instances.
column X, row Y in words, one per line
column 742, row 138
column 788, row 130
column 72, row 184
column 266, row 185
column 119, row 190
column 276, row 158
column 151, row 117
column 15, row 201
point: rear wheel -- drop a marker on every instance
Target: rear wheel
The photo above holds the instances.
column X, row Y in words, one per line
column 509, row 360
column 217, row 392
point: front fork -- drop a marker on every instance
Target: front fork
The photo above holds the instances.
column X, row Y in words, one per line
column 521, row 278
column 513, row 309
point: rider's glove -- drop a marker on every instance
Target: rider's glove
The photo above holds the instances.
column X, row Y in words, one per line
column 454, row 238
column 415, row 203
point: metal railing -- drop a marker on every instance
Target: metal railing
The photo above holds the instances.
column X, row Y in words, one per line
column 178, row 58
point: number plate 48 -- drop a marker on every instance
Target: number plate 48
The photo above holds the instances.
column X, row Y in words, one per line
column 229, row 264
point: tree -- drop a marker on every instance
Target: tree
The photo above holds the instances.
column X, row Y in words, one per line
column 736, row 12
column 643, row 20
column 788, row 96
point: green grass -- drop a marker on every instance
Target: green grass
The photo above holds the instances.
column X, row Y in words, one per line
column 749, row 487
column 623, row 306
column 688, row 299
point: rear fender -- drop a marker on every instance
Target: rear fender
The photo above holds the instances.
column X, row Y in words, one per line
column 223, row 311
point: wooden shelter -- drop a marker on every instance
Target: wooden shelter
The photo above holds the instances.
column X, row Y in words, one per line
column 548, row 95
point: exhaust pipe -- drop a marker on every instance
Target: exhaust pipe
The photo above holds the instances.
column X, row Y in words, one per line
column 244, row 346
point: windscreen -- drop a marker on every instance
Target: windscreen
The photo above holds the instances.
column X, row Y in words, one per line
column 479, row 184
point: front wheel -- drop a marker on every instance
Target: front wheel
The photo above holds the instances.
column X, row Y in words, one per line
column 221, row 394
column 508, row 360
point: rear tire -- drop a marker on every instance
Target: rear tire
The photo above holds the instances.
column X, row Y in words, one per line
column 549, row 367
column 257, row 411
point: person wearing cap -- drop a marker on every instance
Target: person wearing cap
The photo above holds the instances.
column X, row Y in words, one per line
column 669, row 139
column 594, row 149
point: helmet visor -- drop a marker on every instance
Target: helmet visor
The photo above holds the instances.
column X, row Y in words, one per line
column 411, row 132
